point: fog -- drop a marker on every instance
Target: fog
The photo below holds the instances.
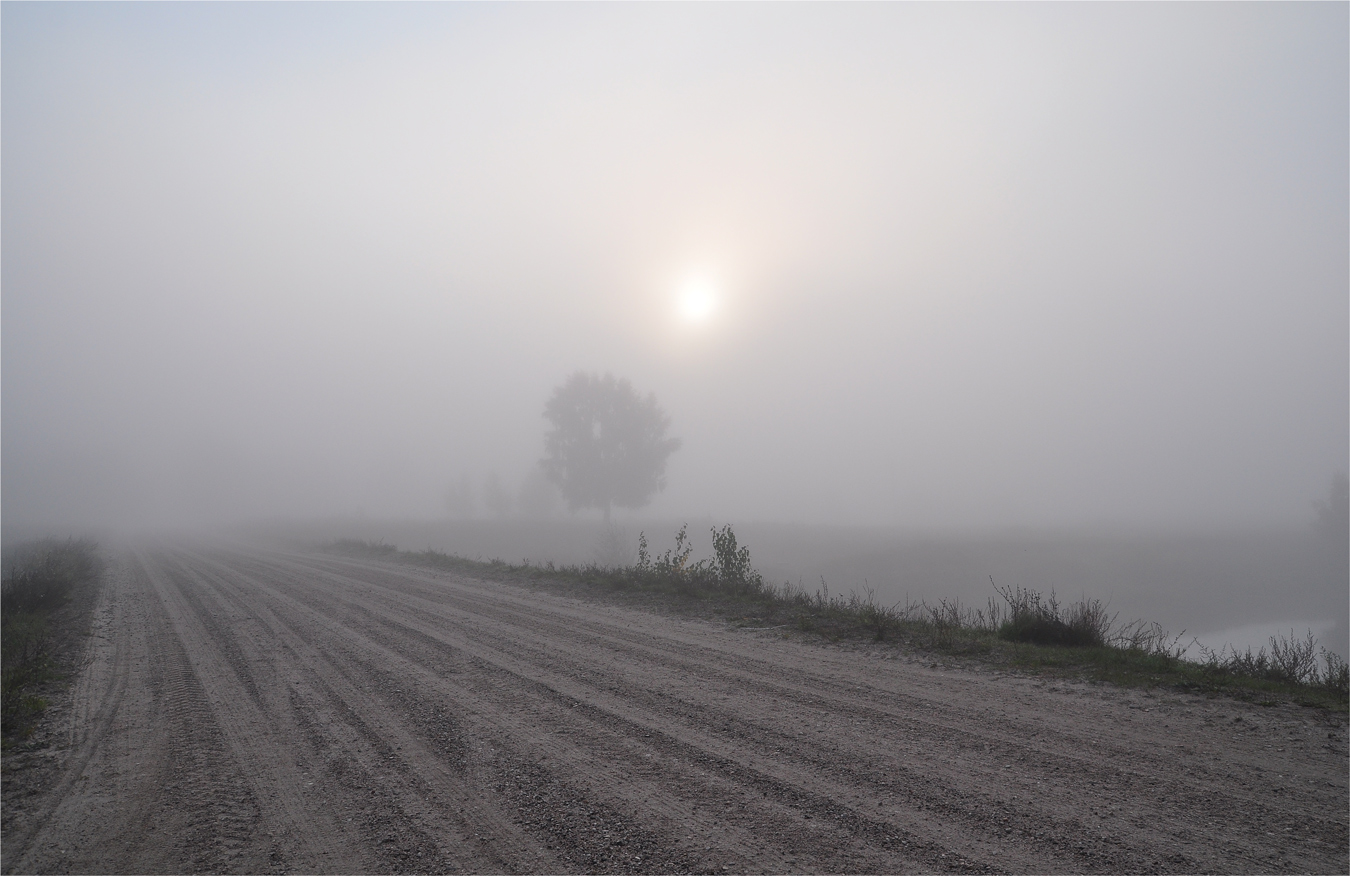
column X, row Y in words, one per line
column 971, row 267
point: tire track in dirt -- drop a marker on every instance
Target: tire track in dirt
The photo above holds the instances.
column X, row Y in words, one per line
column 809, row 687
column 591, row 760
column 625, row 715
column 252, row 725
column 355, row 741
column 1041, row 835
column 388, row 670
column 150, row 784
column 1104, row 777
column 290, row 711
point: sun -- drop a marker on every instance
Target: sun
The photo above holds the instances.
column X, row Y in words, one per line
column 696, row 301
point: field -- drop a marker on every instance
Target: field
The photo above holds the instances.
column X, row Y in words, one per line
column 245, row 710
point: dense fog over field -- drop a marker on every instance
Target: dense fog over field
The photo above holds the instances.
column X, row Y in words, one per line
column 910, row 268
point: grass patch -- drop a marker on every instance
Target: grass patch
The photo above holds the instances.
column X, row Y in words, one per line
column 1018, row 628
column 37, row 582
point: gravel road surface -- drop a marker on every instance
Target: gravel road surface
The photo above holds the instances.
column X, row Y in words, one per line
column 253, row 711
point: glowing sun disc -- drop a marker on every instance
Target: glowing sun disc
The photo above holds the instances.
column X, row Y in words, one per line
column 697, row 301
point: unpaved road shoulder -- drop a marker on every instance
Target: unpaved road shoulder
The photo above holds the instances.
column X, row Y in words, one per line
column 249, row 711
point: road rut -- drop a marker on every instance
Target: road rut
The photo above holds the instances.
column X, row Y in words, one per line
column 269, row 711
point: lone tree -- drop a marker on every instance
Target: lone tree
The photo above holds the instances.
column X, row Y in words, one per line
column 606, row 445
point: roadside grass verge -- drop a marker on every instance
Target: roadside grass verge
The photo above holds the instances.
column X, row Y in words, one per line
column 38, row 580
column 1018, row 628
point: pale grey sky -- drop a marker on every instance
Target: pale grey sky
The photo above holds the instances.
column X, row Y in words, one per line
column 1033, row 265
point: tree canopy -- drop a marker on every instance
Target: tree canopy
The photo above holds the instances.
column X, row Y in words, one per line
column 606, row 445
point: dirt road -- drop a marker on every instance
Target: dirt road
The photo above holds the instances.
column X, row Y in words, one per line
column 253, row 711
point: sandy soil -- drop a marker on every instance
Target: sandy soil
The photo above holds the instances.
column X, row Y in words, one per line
column 250, row 711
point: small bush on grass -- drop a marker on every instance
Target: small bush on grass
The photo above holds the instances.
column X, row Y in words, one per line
column 1139, row 637
column 874, row 616
column 731, row 564
column 1039, row 619
column 729, row 570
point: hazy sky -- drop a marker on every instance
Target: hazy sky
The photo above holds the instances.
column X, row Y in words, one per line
column 1046, row 265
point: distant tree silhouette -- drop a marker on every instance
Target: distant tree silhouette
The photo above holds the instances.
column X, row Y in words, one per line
column 606, row 445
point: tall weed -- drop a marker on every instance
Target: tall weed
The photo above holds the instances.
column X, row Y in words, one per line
column 1040, row 619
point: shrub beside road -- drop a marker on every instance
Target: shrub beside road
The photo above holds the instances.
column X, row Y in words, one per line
column 39, row 580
